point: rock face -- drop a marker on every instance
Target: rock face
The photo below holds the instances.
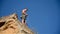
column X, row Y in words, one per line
column 11, row 25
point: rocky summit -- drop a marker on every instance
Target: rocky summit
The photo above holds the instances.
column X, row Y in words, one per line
column 11, row 25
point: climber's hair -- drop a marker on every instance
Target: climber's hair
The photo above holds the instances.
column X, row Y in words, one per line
column 26, row 8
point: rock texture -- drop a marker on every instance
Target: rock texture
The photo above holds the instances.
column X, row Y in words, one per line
column 11, row 25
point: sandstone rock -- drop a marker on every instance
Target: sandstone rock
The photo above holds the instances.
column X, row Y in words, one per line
column 11, row 25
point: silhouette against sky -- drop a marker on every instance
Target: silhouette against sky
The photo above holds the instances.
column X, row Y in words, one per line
column 43, row 15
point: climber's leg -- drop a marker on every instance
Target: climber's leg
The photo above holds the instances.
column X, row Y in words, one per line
column 23, row 21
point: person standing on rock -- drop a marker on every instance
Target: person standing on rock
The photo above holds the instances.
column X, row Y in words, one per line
column 24, row 15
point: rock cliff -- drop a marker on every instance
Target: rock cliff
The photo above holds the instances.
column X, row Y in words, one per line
column 11, row 25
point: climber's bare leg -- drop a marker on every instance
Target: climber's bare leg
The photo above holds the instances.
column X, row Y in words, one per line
column 23, row 21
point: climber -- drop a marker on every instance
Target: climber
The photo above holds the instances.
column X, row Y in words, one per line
column 24, row 15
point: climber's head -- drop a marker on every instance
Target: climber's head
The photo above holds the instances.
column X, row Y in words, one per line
column 25, row 10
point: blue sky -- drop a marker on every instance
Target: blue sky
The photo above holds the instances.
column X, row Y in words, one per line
column 43, row 15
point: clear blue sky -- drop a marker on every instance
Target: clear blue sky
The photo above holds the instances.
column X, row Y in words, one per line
column 43, row 15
